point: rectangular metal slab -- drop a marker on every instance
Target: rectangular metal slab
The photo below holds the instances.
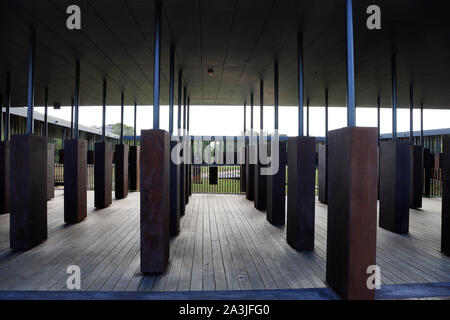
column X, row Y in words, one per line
column 121, row 171
column 352, row 211
column 103, row 175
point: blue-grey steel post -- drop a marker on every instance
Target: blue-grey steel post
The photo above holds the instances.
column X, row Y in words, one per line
column 378, row 118
column 171, row 88
column 180, row 85
column 46, row 112
column 394, row 97
column 411, row 115
column 188, row 113
column 275, row 95
column 307, row 117
column 351, row 108
column 156, row 65
column 71, row 119
column 252, row 103
column 135, row 123
column 300, row 85
column 77, row 97
column 245, row 117
column 104, row 112
column 122, row 107
column 1, row 117
column 7, row 106
column 31, row 66
column 326, row 116
column 184, row 109
column 261, row 107
column 421, row 124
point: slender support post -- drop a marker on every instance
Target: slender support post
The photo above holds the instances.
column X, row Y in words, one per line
column 135, row 122
column 104, row 112
column 7, row 107
column 326, row 116
column 421, row 124
column 276, row 95
column 184, row 109
column 323, row 159
column 180, row 86
column 378, row 119
column 394, row 97
column 411, row 115
column 351, row 108
column 300, row 86
column 31, row 66
column 1, row 117
column 156, row 65
column 245, row 118
column 261, row 106
column 122, row 107
column 77, row 98
column 188, row 113
column 171, row 88
column 46, row 112
column 71, row 120
column 307, row 117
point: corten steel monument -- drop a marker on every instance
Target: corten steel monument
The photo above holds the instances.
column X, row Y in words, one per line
column 245, row 44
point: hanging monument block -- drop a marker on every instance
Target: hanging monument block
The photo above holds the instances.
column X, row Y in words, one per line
column 28, row 191
column 276, row 189
column 134, row 167
column 75, row 181
column 352, row 211
column 121, row 171
column 301, row 193
column 155, row 186
column 394, row 186
column 50, row 171
column 103, row 175
column 4, row 176
column 416, row 176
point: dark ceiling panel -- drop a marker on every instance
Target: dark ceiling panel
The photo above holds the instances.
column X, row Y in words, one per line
column 239, row 40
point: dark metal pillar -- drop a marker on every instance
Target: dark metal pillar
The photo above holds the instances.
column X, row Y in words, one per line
column 411, row 115
column 245, row 118
column 394, row 96
column 180, row 86
column 31, row 67
column 77, row 98
column 276, row 95
column 351, row 108
column 135, row 121
column 259, row 184
column 188, row 113
column 378, row 119
column 71, row 120
column 300, row 86
column 156, row 65
column 323, row 159
column 421, row 124
column 104, row 112
column 171, row 88
column 181, row 206
column 46, row 112
column 307, row 117
column 122, row 107
column 184, row 109
column 7, row 107
column 261, row 106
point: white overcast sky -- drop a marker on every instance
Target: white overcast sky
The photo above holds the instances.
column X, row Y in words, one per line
column 228, row 120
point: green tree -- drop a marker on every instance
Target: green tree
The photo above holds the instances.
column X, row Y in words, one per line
column 127, row 130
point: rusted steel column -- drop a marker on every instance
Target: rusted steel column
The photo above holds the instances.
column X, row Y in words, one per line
column 154, row 217
column 394, row 186
column 416, row 176
column 352, row 211
column 4, row 176
column 103, row 175
column 50, row 171
column 75, row 181
column 276, row 189
column 121, row 171
column 301, row 193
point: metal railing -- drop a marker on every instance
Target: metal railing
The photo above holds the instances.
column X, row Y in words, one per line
column 59, row 175
column 435, row 176
column 218, row 179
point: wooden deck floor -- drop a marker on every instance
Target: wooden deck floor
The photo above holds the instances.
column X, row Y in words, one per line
column 224, row 244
